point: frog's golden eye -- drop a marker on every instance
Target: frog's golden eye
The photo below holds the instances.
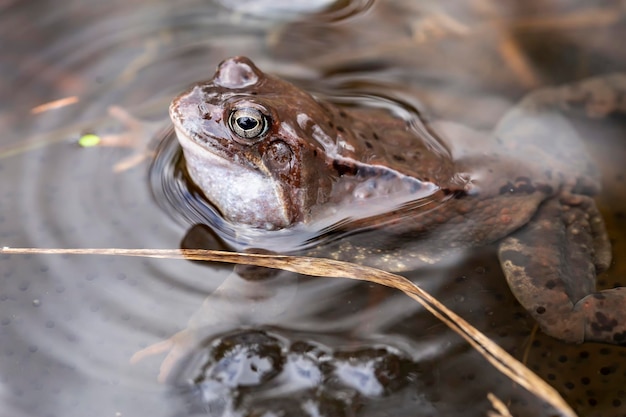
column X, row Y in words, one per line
column 248, row 122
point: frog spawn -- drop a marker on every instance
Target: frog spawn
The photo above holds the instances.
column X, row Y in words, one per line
column 590, row 377
column 256, row 372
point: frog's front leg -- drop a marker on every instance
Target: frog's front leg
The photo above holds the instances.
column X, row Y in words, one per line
column 551, row 266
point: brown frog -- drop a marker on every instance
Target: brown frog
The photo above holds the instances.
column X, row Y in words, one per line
column 382, row 188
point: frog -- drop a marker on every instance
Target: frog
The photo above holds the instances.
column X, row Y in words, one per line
column 394, row 190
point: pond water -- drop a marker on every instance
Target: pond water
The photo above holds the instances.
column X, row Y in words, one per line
column 84, row 335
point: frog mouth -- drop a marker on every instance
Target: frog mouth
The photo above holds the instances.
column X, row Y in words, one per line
column 200, row 146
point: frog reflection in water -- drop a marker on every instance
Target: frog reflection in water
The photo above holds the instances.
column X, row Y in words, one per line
column 272, row 158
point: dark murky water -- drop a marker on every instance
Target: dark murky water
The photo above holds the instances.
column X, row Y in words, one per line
column 69, row 325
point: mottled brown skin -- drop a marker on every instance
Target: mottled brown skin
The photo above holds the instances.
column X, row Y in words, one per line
column 273, row 159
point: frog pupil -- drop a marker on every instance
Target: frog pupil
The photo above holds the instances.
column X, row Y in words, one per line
column 247, row 123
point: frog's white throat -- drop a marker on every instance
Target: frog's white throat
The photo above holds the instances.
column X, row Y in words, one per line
column 243, row 195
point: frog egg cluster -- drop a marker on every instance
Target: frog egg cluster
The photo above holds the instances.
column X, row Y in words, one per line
column 254, row 372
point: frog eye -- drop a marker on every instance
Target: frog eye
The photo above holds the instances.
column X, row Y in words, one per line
column 248, row 122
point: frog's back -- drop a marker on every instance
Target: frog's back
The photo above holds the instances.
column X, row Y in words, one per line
column 362, row 168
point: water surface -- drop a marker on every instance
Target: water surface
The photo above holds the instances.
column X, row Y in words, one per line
column 69, row 325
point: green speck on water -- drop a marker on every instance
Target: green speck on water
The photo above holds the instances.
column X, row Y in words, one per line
column 89, row 140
